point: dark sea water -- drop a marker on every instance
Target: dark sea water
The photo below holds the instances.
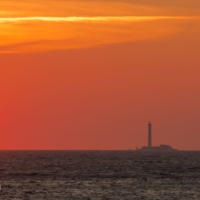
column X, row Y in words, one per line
column 99, row 175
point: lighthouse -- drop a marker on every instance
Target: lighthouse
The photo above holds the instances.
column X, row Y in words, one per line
column 149, row 134
column 150, row 148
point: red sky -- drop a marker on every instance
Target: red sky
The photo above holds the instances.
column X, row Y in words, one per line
column 82, row 75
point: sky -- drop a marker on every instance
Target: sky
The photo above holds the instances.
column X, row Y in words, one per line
column 90, row 75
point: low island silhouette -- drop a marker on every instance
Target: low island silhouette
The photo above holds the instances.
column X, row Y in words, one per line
column 162, row 147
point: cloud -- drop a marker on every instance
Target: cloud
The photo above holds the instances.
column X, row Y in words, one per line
column 91, row 19
column 83, row 32
column 31, row 26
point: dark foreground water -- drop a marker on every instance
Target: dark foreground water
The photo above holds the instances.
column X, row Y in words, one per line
column 99, row 175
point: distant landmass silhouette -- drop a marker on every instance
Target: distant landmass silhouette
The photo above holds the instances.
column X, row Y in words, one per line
column 162, row 147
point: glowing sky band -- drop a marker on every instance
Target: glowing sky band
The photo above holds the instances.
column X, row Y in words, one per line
column 92, row 19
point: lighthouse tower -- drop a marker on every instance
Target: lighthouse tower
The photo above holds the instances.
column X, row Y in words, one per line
column 149, row 134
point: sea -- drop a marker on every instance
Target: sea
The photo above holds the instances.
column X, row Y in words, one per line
column 99, row 175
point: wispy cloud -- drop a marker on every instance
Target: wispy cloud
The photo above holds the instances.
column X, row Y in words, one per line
column 92, row 19
column 29, row 26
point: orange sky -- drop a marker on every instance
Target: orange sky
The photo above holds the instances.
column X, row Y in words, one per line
column 91, row 75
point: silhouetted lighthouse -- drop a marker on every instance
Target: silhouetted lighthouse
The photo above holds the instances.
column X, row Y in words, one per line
column 149, row 134
column 150, row 148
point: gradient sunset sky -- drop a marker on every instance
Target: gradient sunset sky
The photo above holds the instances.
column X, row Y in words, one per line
column 90, row 75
